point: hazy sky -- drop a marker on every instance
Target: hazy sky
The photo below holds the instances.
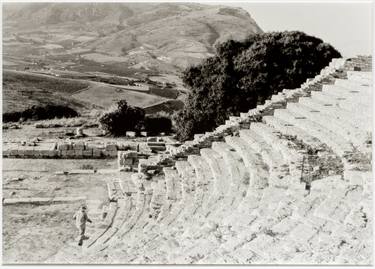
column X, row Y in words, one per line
column 346, row 26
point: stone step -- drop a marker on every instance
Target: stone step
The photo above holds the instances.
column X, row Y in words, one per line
column 272, row 157
column 364, row 74
column 256, row 167
column 360, row 76
column 339, row 145
column 176, row 207
column 112, row 191
column 106, row 225
column 362, row 107
column 240, row 177
column 188, row 180
column 206, row 183
column 186, row 172
column 225, row 189
column 158, row 198
column 349, row 95
column 289, row 129
column 172, row 184
column 339, row 128
column 133, row 222
column 234, row 163
column 357, row 85
column 138, row 226
column 349, row 84
column 203, row 182
column 358, row 121
column 272, row 137
column 353, row 93
column 362, row 110
column 219, row 172
column 123, row 211
column 127, row 186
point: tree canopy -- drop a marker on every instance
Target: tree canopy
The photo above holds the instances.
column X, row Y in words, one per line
column 123, row 117
column 243, row 74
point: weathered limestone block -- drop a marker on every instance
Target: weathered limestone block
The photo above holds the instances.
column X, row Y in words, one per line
column 87, row 152
column 126, row 158
column 29, row 153
column 130, row 134
column 79, row 131
column 71, row 153
column 53, row 146
column 78, row 153
column 111, row 147
column 79, row 146
column 63, row 147
column 198, row 136
column 110, row 153
column 44, row 153
column 97, row 153
column 302, row 233
column 354, row 177
column 152, row 139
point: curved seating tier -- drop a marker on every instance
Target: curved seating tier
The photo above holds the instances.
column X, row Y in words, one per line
column 245, row 198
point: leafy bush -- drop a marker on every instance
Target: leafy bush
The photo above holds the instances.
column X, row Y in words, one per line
column 122, row 118
column 158, row 123
column 41, row 113
column 244, row 74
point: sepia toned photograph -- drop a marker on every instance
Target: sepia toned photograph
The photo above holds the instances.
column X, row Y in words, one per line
column 187, row 133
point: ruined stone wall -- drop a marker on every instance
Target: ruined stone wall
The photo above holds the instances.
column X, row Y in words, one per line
column 68, row 150
column 359, row 63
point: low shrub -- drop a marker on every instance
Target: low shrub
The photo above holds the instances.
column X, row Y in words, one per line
column 41, row 113
column 158, row 123
column 122, row 118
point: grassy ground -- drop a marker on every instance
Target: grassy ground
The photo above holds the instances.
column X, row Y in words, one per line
column 43, row 82
column 22, row 90
column 104, row 96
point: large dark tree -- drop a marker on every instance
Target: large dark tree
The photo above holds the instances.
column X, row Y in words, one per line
column 244, row 74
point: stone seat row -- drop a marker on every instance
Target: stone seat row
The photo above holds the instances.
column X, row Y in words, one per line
column 274, row 227
column 215, row 202
column 260, row 147
column 252, row 175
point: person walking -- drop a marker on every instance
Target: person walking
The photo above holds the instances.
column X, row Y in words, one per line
column 81, row 218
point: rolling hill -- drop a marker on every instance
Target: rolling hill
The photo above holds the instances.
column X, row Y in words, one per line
column 166, row 37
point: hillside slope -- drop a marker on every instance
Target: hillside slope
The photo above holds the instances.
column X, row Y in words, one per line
column 145, row 36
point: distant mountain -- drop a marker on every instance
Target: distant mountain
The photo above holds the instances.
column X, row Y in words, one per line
column 161, row 36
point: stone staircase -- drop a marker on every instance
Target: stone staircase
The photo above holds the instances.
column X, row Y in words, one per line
column 286, row 183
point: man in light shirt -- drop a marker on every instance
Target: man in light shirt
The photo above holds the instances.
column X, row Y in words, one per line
column 81, row 218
